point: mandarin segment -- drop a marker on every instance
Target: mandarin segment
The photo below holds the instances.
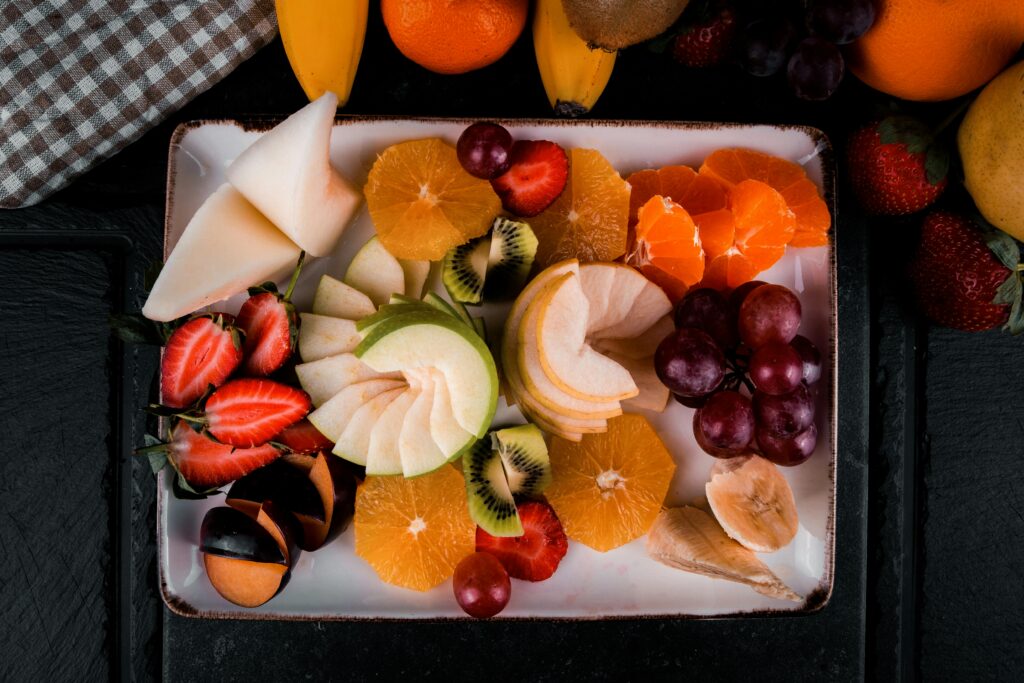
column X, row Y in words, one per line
column 608, row 489
column 423, row 203
column 668, row 248
column 413, row 532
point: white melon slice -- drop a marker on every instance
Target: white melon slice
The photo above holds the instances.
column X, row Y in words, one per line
column 445, row 430
column 324, row 378
column 615, row 286
column 333, row 416
column 649, row 306
column 653, row 394
column 641, row 346
column 416, row 274
column 226, row 247
column 418, row 450
column 375, row 272
column 287, row 175
column 354, row 442
column 383, row 456
column 321, row 336
column 338, row 300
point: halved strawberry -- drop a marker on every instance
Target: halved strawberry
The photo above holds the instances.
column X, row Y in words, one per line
column 250, row 412
column 538, row 170
column 206, row 464
column 302, row 437
column 202, row 352
column 271, row 326
column 535, row 555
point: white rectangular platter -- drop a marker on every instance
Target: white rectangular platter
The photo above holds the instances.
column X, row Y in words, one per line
column 333, row 583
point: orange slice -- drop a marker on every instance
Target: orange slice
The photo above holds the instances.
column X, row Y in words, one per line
column 414, row 531
column 588, row 220
column 668, row 249
column 423, row 203
column 608, row 489
column 732, row 166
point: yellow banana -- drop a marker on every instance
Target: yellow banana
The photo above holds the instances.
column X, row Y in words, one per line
column 574, row 76
column 323, row 40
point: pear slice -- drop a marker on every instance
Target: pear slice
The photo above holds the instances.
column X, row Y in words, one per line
column 375, row 272
column 565, row 423
column 324, row 378
column 640, row 346
column 610, row 289
column 336, row 299
column 653, row 394
column 287, row 175
column 383, row 455
column 418, row 451
column 566, row 357
column 445, row 430
column 354, row 442
column 753, row 503
column 647, row 307
column 416, row 274
column 690, row 539
column 227, row 246
column 333, row 416
column 321, row 336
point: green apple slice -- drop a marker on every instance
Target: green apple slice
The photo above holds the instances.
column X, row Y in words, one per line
column 445, row 430
column 324, row 378
column 383, row 456
column 434, row 340
column 389, row 310
column 354, row 442
column 321, row 336
column 375, row 272
column 333, row 417
column 336, row 299
column 418, row 450
column 440, row 304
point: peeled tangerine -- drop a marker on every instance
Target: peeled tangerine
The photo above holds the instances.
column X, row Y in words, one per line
column 287, row 175
column 753, row 503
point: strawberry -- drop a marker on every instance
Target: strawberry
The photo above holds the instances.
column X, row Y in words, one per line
column 251, row 412
column 302, row 437
column 965, row 278
column 270, row 325
column 707, row 41
column 204, row 351
column 535, row 555
column 206, row 464
column 896, row 167
column 536, row 175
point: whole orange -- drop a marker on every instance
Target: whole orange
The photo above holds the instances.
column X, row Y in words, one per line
column 454, row 36
column 937, row 49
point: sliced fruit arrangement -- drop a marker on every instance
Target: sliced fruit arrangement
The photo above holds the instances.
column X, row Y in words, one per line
column 493, row 266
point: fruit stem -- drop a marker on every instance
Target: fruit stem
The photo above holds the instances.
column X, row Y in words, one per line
column 953, row 116
column 295, row 276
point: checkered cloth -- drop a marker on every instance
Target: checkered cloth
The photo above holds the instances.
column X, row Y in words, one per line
column 80, row 79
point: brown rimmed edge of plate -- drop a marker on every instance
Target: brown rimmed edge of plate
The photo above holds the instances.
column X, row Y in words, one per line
column 814, row 602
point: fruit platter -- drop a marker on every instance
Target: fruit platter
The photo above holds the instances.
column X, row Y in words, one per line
column 437, row 368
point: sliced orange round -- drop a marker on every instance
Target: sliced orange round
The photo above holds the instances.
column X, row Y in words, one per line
column 608, row 488
column 588, row 220
column 667, row 249
column 423, row 202
column 414, row 531
column 732, row 166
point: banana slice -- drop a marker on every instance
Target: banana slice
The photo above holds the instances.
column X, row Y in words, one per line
column 690, row 539
column 753, row 503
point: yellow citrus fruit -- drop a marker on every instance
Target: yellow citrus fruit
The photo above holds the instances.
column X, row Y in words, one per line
column 414, row 531
column 608, row 488
column 589, row 219
column 423, row 203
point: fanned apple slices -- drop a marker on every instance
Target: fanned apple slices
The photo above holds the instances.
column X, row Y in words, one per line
column 579, row 342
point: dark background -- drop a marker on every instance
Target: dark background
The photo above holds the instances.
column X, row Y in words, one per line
column 929, row 569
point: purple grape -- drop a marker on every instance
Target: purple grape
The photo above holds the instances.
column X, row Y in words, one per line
column 739, row 295
column 692, row 401
column 810, row 356
column 770, row 313
column 724, row 427
column 483, row 150
column 841, row 21
column 815, row 69
column 788, row 452
column 776, row 368
column 689, row 362
column 706, row 309
column 765, row 46
column 787, row 415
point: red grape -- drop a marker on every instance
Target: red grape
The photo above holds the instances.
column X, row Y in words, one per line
column 841, row 21
column 791, row 451
column 810, row 356
column 765, row 45
column 776, row 368
column 707, row 310
column 483, row 150
column 770, row 313
column 481, row 584
column 815, row 69
column 689, row 362
column 724, row 427
column 739, row 295
column 787, row 415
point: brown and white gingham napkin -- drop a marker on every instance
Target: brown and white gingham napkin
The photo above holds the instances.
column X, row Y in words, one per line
column 80, row 79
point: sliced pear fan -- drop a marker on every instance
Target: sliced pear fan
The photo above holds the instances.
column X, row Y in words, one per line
column 610, row 289
column 333, row 416
column 353, row 444
column 753, row 503
column 418, row 451
column 383, row 455
column 336, row 299
column 321, row 336
column 375, row 272
column 324, row 378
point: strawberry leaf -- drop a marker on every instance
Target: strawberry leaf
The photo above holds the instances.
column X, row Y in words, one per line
column 906, row 130
column 155, row 452
column 265, row 288
column 1005, row 249
column 1015, row 323
column 135, row 328
column 936, row 163
column 185, row 491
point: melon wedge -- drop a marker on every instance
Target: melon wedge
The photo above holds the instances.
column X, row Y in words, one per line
column 375, row 272
column 226, row 247
column 383, row 456
column 324, row 378
column 336, row 299
column 321, row 336
column 353, row 444
column 287, row 175
column 418, row 451
column 333, row 416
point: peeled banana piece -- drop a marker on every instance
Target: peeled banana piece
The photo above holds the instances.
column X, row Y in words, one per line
column 753, row 503
column 690, row 539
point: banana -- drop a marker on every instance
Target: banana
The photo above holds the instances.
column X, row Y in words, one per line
column 574, row 76
column 324, row 41
column 689, row 539
column 753, row 503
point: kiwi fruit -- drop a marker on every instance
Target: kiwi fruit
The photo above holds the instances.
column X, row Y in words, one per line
column 490, row 500
column 524, row 456
column 615, row 24
column 464, row 270
column 513, row 246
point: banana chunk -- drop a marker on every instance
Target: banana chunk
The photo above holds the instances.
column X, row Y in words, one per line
column 753, row 503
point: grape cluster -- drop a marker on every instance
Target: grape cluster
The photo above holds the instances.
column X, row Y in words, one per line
column 741, row 364
column 809, row 53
